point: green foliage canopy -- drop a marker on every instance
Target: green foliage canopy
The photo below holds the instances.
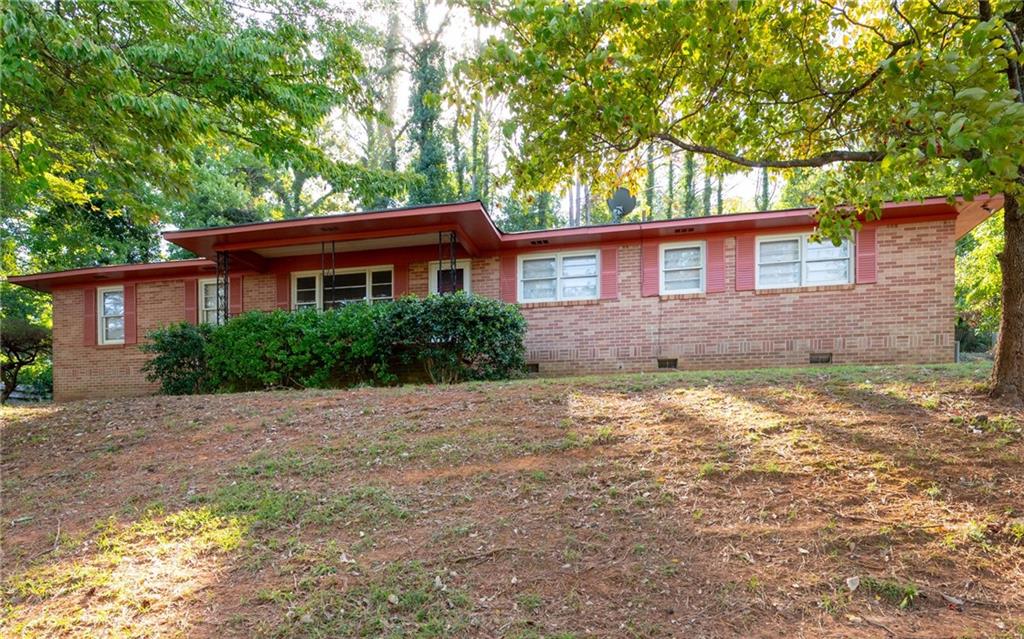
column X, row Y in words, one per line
column 122, row 92
column 884, row 91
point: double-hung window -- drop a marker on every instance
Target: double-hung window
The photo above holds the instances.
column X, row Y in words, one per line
column 211, row 304
column 559, row 277
column 794, row 260
column 323, row 290
column 682, row 268
column 111, row 315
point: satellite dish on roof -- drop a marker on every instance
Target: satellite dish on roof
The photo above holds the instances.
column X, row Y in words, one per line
column 621, row 204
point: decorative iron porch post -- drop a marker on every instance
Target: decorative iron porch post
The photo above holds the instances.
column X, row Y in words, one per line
column 223, row 277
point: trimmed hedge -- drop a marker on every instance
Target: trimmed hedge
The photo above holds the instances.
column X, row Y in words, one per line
column 452, row 337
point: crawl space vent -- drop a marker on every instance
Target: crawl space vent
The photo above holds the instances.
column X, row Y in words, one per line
column 821, row 358
column 668, row 363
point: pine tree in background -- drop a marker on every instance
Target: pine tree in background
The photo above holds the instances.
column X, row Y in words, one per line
column 671, row 186
column 428, row 78
column 762, row 199
column 706, row 193
column 689, row 191
column 650, row 180
column 458, row 154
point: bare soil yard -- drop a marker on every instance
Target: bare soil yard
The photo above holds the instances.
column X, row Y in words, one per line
column 679, row 504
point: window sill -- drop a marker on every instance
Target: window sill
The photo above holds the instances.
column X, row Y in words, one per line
column 804, row 289
column 111, row 345
column 682, row 296
column 557, row 303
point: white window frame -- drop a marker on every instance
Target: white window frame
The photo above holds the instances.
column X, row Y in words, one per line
column 101, row 317
column 368, row 270
column 803, row 239
column 559, row 256
column 202, row 298
column 702, row 245
column 465, row 265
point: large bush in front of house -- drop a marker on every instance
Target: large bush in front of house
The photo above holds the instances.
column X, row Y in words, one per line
column 304, row 349
column 178, row 359
column 455, row 337
column 451, row 337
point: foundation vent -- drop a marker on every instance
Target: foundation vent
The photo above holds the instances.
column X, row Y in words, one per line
column 533, row 369
column 821, row 358
column 668, row 363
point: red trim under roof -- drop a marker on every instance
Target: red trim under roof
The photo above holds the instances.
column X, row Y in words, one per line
column 101, row 275
column 477, row 234
column 469, row 220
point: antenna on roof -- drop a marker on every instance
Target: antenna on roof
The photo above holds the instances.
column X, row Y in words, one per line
column 621, row 204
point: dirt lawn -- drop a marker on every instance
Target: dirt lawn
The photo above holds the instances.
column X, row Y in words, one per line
column 735, row 504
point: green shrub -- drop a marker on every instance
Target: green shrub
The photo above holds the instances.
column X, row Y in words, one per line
column 453, row 337
column 297, row 350
column 179, row 359
column 39, row 378
column 456, row 337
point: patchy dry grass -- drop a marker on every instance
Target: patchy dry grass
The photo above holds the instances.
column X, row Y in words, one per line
column 676, row 504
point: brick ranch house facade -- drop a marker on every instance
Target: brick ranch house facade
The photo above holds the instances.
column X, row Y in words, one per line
column 724, row 291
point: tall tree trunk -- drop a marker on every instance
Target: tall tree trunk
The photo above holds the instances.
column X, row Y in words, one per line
column 650, row 180
column 1008, row 372
column 671, row 186
column 706, row 193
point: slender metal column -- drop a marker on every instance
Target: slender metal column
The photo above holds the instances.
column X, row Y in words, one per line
column 223, row 279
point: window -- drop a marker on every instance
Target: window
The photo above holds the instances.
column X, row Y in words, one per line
column 564, row 276
column 111, row 311
column 794, row 260
column 442, row 273
column 682, row 268
column 320, row 291
column 209, row 303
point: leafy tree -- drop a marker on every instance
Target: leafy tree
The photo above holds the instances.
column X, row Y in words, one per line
column 428, row 80
column 978, row 279
column 69, row 235
column 689, row 190
column 887, row 93
column 531, row 213
column 21, row 345
column 125, row 91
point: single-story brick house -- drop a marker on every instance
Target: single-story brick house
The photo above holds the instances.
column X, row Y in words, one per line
column 708, row 292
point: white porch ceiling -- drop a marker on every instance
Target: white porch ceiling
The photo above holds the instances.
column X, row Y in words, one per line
column 404, row 241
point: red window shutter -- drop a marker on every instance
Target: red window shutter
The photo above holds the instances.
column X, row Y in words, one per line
column 651, row 280
column 507, row 282
column 131, row 327
column 192, row 301
column 745, row 263
column 400, row 280
column 284, row 291
column 89, row 316
column 867, row 252
column 716, row 265
column 235, row 295
column 610, row 273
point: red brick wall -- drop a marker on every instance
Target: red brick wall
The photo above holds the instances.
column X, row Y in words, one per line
column 907, row 316
column 108, row 371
